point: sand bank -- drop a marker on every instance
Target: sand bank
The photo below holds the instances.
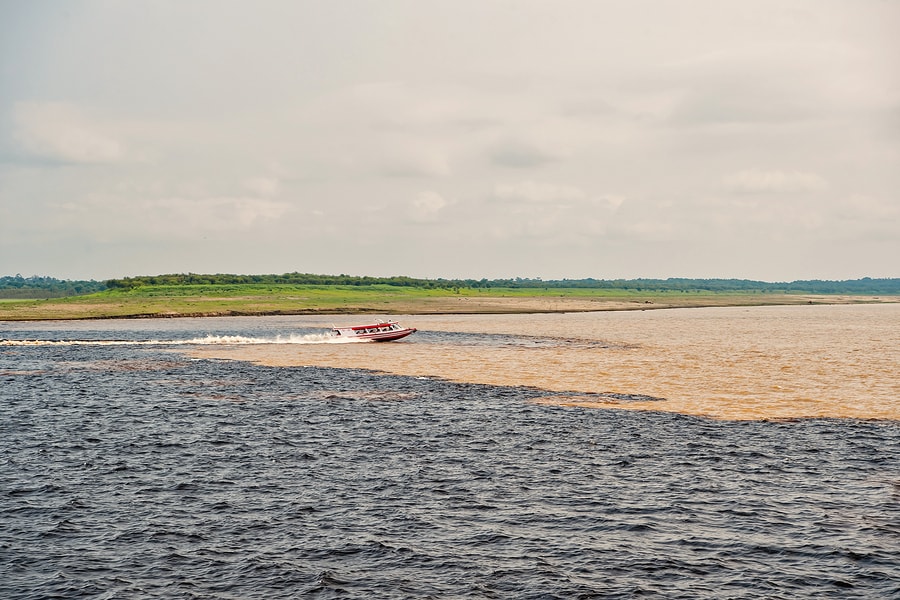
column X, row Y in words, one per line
column 125, row 308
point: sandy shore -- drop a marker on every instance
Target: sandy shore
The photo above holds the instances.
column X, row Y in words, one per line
column 69, row 309
column 540, row 304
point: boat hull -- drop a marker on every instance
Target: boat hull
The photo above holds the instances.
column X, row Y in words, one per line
column 387, row 337
column 378, row 332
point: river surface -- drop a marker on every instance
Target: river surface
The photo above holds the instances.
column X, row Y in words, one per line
column 677, row 454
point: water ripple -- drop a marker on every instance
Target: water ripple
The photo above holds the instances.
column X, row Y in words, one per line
column 171, row 477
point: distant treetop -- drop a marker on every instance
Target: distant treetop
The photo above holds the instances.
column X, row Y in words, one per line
column 49, row 287
column 854, row 286
column 46, row 287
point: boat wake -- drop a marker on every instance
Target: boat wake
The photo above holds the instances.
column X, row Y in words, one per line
column 209, row 340
column 235, row 340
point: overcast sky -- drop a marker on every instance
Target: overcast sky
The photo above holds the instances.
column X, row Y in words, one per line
column 554, row 139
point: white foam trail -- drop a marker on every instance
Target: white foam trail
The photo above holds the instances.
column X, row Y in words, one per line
column 209, row 340
column 309, row 338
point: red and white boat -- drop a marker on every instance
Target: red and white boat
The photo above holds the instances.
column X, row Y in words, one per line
column 383, row 331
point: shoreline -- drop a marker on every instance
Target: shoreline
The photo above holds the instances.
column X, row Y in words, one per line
column 67, row 310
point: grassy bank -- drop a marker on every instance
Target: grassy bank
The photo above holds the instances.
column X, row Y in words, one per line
column 254, row 299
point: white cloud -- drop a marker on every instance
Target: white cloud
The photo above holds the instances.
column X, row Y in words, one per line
column 223, row 213
column 539, row 193
column 757, row 181
column 521, row 155
column 863, row 217
column 862, row 207
column 410, row 160
column 774, row 82
column 402, row 104
column 613, row 201
column 264, row 186
column 550, row 214
column 59, row 131
column 649, row 230
column 426, row 207
column 109, row 217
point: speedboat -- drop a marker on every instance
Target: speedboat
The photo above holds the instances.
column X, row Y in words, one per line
column 383, row 331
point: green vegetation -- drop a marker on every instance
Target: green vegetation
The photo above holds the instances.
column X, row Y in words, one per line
column 866, row 285
column 204, row 300
column 296, row 293
column 46, row 287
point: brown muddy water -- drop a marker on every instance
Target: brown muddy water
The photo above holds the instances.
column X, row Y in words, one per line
column 781, row 362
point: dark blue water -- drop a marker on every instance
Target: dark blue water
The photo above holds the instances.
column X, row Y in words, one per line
column 134, row 472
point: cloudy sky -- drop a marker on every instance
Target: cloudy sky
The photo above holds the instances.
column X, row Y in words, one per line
column 458, row 138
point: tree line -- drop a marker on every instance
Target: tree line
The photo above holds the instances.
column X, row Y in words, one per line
column 865, row 285
column 49, row 287
column 46, row 287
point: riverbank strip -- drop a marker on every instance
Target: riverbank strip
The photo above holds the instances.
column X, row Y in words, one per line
column 248, row 300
